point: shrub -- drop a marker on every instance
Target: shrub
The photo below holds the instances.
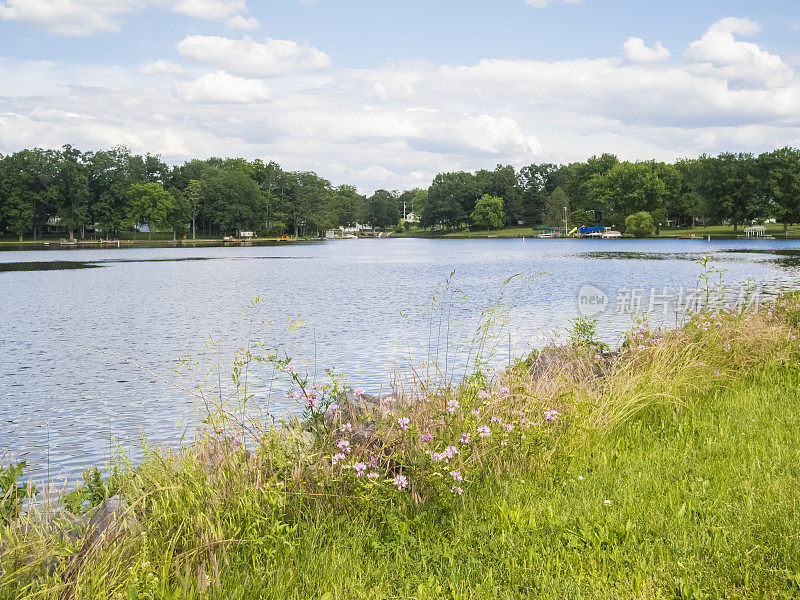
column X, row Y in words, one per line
column 640, row 224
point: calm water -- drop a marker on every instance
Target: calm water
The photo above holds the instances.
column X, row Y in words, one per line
column 367, row 307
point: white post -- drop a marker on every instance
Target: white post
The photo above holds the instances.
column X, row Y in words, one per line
column 565, row 222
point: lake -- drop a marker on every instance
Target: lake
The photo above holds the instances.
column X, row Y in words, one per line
column 368, row 308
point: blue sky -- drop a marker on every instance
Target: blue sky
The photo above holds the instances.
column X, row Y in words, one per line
column 385, row 94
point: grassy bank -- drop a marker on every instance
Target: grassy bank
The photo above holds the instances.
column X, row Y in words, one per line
column 667, row 470
column 128, row 241
column 715, row 231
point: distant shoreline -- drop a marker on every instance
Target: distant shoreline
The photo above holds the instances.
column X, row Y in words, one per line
column 512, row 233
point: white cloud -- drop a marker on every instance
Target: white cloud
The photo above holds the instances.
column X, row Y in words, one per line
column 719, row 54
column 544, row 3
column 242, row 22
column 87, row 17
column 250, row 58
column 637, row 51
column 161, row 67
column 397, row 125
column 206, row 9
column 221, row 87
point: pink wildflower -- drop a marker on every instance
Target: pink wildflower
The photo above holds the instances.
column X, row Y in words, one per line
column 403, row 422
column 360, row 468
column 465, row 437
column 346, row 428
column 483, row 395
column 333, row 411
column 337, row 457
column 495, row 420
column 457, row 490
column 400, row 481
column 551, row 415
column 484, row 431
column 474, row 413
column 372, row 475
column 505, row 390
column 456, row 475
column 508, row 427
column 452, row 405
column 311, row 401
column 290, row 368
column 425, row 437
column 344, row 446
column 358, row 391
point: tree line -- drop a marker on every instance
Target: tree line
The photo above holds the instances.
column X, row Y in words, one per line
column 109, row 191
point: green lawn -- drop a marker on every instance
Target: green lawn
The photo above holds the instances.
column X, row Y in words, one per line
column 508, row 232
column 773, row 229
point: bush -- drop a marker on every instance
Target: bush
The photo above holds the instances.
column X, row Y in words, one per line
column 13, row 494
column 640, row 224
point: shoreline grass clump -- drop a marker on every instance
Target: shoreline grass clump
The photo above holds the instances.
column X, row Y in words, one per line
column 665, row 469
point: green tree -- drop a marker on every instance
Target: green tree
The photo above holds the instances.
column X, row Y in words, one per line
column 348, row 205
column 536, row 183
column 488, row 213
column 149, row 204
column 502, row 183
column 72, row 190
column 18, row 210
column 25, row 197
column 233, row 201
column 179, row 213
column 554, row 208
column 640, row 224
column 418, row 202
column 382, row 210
column 627, row 188
column 193, row 196
column 581, row 218
column 781, row 175
column 451, row 197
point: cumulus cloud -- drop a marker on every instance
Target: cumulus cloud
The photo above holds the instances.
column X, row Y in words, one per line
column 253, row 59
column 242, row 22
column 221, row 87
column 543, row 3
column 719, row 54
column 205, row 9
column 637, row 51
column 87, row 17
column 396, row 125
column 161, row 67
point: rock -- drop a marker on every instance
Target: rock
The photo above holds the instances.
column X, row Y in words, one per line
column 106, row 523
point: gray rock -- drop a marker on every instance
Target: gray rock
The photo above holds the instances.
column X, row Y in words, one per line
column 107, row 522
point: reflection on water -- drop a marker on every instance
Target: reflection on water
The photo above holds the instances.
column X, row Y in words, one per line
column 366, row 306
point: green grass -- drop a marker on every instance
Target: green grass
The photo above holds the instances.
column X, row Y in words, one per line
column 773, row 229
column 692, row 435
column 508, row 232
column 719, row 231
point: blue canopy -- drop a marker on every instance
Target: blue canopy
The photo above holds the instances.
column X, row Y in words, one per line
column 592, row 229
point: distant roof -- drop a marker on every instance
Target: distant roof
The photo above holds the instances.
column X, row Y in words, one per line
column 592, row 229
